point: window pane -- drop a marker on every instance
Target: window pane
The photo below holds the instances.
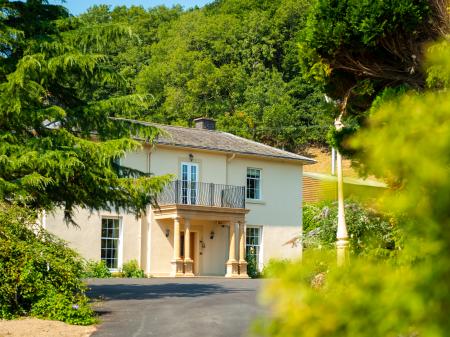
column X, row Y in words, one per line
column 253, row 242
column 253, row 183
column 110, row 232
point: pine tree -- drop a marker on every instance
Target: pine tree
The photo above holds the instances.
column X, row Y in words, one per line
column 58, row 143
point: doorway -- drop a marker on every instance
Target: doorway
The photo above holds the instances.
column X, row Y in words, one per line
column 189, row 183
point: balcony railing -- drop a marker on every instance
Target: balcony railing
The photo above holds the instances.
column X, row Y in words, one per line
column 202, row 194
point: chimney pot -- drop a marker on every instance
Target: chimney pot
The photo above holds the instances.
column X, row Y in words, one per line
column 205, row 123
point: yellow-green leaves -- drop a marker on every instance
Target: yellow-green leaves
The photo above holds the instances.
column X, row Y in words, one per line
column 407, row 141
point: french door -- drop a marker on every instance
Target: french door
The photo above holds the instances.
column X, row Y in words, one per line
column 189, row 183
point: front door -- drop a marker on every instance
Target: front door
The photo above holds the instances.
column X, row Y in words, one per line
column 189, row 183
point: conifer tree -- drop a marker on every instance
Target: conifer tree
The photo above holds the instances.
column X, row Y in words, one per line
column 59, row 142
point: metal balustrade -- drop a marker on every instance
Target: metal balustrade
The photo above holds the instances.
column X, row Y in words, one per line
column 202, row 194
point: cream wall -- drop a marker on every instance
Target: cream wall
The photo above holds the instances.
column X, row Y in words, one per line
column 212, row 167
column 86, row 239
column 161, row 247
column 279, row 212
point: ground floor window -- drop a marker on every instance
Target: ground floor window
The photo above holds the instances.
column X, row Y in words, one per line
column 110, row 242
column 253, row 244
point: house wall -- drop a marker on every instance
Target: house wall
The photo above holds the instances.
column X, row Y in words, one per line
column 279, row 213
column 86, row 238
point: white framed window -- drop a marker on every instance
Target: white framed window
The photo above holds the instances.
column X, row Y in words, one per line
column 189, row 183
column 253, row 183
column 111, row 242
column 253, row 241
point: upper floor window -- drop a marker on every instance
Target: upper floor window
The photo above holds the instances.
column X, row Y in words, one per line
column 253, row 183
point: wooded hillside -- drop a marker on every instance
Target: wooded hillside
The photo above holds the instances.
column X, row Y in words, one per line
column 235, row 61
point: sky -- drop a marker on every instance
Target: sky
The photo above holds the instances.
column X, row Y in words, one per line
column 79, row 6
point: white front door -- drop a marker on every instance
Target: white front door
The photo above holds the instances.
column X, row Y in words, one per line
column 189, row 183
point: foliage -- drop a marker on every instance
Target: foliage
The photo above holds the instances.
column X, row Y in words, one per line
column 371, row 232
column 96, row 269
column 39, row 274
column 252, row 265
column 360, row 48
column 380, row 298
column 57, row 306
column 51, row 72
column 275, row 267
column 236, row 62
column 132, row 269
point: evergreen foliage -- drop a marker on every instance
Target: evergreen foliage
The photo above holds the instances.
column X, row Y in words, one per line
column 52, row 69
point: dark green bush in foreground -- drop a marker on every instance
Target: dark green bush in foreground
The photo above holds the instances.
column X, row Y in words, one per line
column 39, row 275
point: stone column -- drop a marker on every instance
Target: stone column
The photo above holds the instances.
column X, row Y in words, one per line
column 242, row 261
column 188, row 262
column 232, row 264
column 177, row 262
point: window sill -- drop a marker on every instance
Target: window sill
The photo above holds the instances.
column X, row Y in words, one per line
column 255, row 201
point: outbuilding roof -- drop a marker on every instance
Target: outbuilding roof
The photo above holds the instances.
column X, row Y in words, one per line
column 347, row 180
column 219, row 141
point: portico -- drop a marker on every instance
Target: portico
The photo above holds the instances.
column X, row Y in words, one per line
column 188, row 256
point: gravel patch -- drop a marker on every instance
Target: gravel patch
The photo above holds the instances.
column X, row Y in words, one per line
column 27, row 327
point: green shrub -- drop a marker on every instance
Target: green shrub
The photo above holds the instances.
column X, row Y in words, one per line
column 275, row 267
column 252, row 265
column 39, row 274
column 407, row 140
column 57, row 306
column 131, row 269
column 370, row 232
column 96, row 269
column 117, row 274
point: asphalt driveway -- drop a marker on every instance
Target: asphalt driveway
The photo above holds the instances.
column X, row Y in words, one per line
column 165, row 307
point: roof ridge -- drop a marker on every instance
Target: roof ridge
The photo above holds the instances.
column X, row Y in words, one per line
column 268, row 146
column 184, row 127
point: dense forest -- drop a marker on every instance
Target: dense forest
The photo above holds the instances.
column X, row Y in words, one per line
column 235, row 61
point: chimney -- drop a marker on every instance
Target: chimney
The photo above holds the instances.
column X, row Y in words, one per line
column 205, row 123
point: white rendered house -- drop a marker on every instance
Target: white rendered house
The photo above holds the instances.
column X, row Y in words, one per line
column 230, row 195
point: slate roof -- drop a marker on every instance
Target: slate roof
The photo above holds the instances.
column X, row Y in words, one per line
column 219, row 141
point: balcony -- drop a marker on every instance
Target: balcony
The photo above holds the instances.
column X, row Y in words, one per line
column 181, row 192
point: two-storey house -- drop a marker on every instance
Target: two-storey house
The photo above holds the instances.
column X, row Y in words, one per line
column 230, row 195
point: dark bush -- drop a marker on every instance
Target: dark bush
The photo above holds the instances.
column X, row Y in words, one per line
column 39, row 274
